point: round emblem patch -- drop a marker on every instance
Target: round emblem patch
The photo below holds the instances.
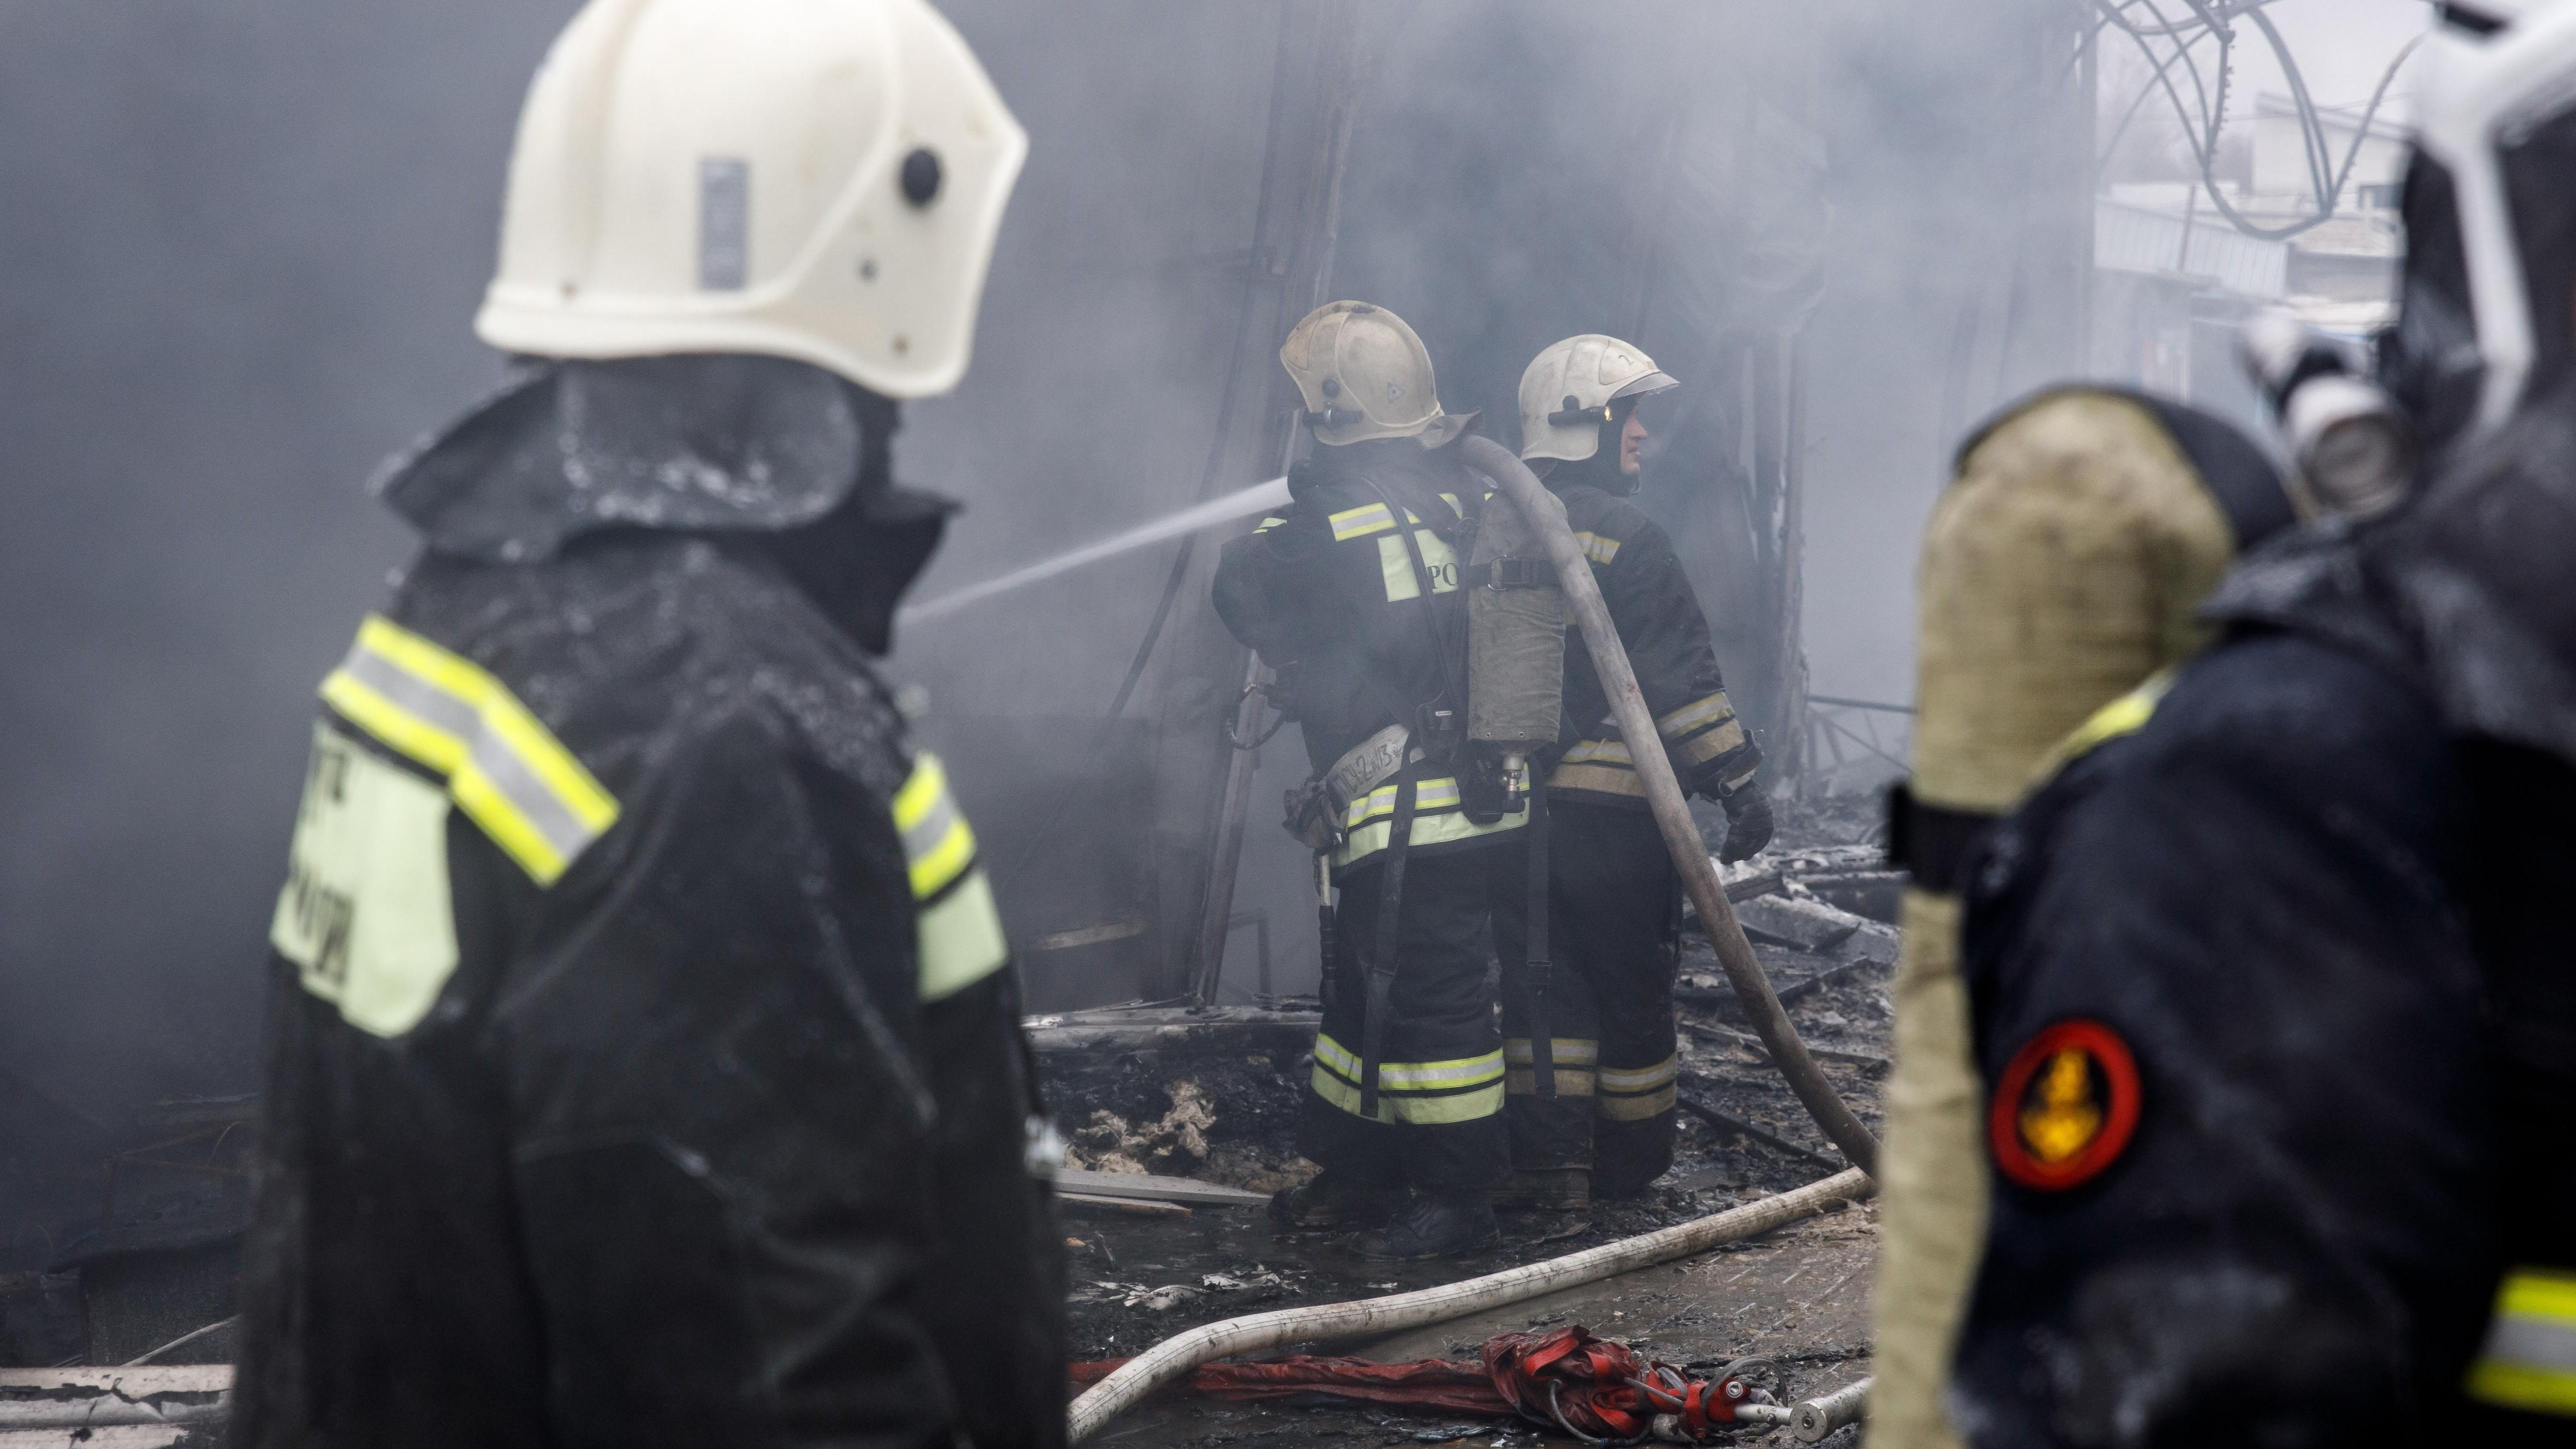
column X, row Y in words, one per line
column 2065, row 1108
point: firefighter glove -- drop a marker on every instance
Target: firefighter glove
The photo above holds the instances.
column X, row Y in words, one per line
column 1748, row 825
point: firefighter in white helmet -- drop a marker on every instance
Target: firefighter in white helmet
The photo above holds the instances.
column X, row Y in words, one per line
column 1353, row 595
column 1604, row 1120
column 643, row 1068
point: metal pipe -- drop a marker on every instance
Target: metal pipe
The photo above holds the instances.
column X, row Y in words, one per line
column 1816, row 1419
column 1173, row 1358
column 1664, row 795
column 1216, row 918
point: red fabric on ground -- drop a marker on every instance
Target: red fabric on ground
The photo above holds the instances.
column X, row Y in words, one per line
column 1564, row 1375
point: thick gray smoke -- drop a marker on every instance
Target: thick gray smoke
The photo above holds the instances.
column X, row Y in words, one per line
column 244, row 243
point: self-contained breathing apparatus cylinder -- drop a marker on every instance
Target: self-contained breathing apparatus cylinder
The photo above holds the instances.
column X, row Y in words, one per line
column 1515, row 644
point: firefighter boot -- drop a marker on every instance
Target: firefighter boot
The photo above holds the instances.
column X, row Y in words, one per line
column 1441, row 1226
column 1332, row 1201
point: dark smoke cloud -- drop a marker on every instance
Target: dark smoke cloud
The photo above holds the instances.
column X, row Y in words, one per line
column 244, row 241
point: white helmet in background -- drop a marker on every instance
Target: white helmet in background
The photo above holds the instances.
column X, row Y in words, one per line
column 2490, row 277
column 1365, row 374
column 812, row 179
column 1568, row 389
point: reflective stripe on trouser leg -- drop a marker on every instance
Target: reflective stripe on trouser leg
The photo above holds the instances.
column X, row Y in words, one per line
column 2529, row 1360
column 1618, row 907
column 1633, row 1094
column 1439, row 1124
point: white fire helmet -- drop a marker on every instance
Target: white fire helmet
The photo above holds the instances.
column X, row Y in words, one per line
column 812, row 179
column 1364, row 374
column 1567, row 391
column 2490, row 214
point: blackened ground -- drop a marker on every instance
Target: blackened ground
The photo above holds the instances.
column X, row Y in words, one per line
column 1798, row 1296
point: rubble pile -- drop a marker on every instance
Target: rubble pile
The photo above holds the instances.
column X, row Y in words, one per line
column 1821, row 918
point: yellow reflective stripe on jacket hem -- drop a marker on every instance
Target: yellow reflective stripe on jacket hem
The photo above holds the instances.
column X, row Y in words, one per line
column 1599, row 780
column 1448, row 828
column 1428, row 796
column 509, row 774
column 960, row 939
column 938, row 845
column 2529, row 1360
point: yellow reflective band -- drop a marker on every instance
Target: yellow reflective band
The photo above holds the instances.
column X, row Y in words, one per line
column 1596, row 548
column 1395, row 566
column 938, row 845
column 502, row 767
column 1412, row 1110
column 960, row 939
column 1725, row 739
column 1613, row 752
column 1428, row 795
column 1618, row 1107
column 2123, row 716
column 1414, row 1076
column 1712, row 710
column 1594, row 779
column 1441, row 826
column 1570, row 1082
column 2529, row 1361
column 1641, row 1079
column 1564, row 1051
column 1267, row 524
column 1353, row 523
column 1417, row 1093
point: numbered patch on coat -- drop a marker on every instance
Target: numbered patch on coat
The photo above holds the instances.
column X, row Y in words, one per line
column 366, row 915
column 2065, row 1107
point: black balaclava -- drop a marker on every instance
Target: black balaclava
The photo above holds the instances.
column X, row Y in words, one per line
column 857, row 561
column 1601, row 470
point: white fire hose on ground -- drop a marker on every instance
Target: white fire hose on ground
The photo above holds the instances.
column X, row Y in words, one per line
column 1174, row 1358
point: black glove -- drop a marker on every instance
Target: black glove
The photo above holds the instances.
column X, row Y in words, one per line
column 1748, row 825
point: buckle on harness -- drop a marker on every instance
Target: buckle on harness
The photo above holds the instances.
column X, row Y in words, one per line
column 1520, row 573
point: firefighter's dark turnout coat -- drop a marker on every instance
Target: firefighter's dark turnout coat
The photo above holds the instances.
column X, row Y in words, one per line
column 1331, row 593
column 643, row 1070
column 2270, row 989
column 2227, row 1019
column 1614, row 913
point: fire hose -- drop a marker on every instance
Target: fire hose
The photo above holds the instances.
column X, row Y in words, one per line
column 1546, row 517
column 1175, row 1357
